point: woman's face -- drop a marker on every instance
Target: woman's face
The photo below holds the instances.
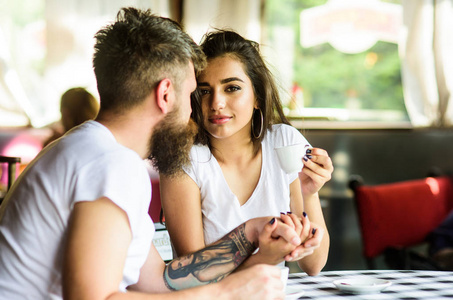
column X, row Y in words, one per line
column 228, row 99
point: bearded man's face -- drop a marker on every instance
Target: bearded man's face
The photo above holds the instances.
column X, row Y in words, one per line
column 171, row 142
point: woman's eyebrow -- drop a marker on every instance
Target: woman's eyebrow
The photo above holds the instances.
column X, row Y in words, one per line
column 223, row 81
column 226, row 80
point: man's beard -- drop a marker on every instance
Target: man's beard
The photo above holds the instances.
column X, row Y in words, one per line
column 170, row 144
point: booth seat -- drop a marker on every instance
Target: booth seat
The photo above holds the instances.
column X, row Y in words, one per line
column 401, row 214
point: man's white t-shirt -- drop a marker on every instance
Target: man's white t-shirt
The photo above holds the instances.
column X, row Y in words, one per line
column 84, row 165
column 220, row 207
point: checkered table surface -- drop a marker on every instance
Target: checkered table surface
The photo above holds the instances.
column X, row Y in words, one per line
column 405, row 284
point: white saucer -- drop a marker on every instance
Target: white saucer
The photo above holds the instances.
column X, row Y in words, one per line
column 293, row 292
column 361, row 285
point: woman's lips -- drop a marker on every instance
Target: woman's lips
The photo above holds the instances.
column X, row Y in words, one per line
column 219, row 120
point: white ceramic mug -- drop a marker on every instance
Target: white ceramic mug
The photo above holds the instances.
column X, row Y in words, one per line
column 284, row 275
column 290, row 157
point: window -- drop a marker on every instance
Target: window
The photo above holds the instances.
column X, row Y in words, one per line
column 22, row 59
column 338, row 60
column 46, row 47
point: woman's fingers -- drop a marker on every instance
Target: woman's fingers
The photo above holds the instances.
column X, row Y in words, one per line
column 286, row 218
column 321, row 158
column 297, row 222
column 308, row 246
column 287, row 232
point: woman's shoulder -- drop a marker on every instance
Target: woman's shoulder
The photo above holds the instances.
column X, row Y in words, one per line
column 284, row 128
column 200, row 153
column 283, row 134
column 201, row 163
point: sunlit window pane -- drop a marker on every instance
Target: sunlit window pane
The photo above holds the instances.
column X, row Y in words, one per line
column 338, row 59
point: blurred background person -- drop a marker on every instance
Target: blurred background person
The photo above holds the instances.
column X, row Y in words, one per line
column 77, row 105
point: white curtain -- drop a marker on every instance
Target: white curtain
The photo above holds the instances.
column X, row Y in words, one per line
column 426, row 59
column 243, row 16
column 60, row 42
column 443, row 51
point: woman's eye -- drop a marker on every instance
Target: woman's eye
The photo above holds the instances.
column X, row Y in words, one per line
column 233, row 88
column 204, row 92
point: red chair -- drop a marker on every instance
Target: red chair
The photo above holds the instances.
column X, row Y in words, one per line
column 155, row 207
column 400, row 215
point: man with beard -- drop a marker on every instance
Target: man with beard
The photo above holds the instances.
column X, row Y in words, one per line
column 75, row 223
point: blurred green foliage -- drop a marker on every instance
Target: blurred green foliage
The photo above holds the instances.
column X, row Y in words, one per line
column 23, row 12
column 329, row 77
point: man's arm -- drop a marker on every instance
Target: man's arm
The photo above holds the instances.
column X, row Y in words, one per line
column 219, row 259
column 210, row 264
column 96, row 249
column 94, row 254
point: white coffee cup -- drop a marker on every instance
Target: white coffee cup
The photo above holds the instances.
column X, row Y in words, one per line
column 284, row 275
column 290, row 157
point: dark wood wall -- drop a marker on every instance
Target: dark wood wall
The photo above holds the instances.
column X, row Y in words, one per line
column 381, row 156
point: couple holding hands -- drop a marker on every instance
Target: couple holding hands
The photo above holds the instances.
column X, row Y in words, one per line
column 75, row 224
column 234, row 174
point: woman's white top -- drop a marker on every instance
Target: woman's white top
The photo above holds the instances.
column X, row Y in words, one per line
column 220, row 207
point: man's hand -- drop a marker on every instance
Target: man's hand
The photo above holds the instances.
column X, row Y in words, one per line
column 257, row 282
column 273, row 247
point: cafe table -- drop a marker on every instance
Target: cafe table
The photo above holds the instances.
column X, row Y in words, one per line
column 404, row 284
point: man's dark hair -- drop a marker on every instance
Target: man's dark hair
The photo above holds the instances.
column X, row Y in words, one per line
column 136, row 52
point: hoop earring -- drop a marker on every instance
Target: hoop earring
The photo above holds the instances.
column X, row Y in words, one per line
column 253, row 126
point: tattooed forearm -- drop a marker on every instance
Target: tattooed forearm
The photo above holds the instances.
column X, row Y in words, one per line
column 238, row 237
column 210, row 264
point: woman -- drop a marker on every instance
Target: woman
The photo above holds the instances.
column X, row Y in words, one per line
column 235, row 173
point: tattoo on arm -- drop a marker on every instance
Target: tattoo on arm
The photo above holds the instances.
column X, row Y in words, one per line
column 210, row 264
